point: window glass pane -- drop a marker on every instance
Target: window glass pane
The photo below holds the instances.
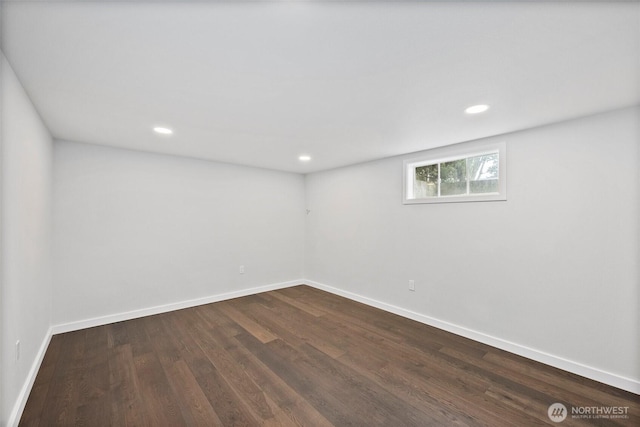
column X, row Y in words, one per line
column 426, row 182
column 483, row 174
column 453, row 177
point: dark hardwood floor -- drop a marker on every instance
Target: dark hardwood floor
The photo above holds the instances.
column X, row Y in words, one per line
column 298, row 356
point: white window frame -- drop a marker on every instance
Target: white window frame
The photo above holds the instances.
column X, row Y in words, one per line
column 448, row 154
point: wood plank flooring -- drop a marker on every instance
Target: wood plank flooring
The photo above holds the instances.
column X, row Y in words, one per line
column 298, row 356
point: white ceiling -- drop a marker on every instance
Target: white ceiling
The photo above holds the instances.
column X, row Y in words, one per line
column 259, row 83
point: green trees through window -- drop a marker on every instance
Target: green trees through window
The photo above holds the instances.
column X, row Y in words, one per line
column 466, row 176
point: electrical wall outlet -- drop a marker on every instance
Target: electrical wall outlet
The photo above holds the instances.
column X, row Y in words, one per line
column 241, row 269
column 412, row 285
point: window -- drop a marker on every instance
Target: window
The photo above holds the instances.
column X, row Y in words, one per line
column 447, row 175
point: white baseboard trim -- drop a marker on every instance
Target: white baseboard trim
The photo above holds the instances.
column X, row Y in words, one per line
column 596, row 374
column 21, row 401
column 614, row 380
column 23, row 396
column 150, row 311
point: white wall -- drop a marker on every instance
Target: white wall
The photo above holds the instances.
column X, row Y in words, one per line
column 25, row 306
column 135, row 230
column 554, row 268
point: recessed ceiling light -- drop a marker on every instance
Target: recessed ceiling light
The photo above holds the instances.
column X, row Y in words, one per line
column 162, row 131
column 475, row 109
column 304, row 158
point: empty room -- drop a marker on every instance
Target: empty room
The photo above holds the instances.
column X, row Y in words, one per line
column 319, row 213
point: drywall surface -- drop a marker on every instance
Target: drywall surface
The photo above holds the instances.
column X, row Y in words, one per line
column 26, row 171
column 553, row 269
column 135, row 230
